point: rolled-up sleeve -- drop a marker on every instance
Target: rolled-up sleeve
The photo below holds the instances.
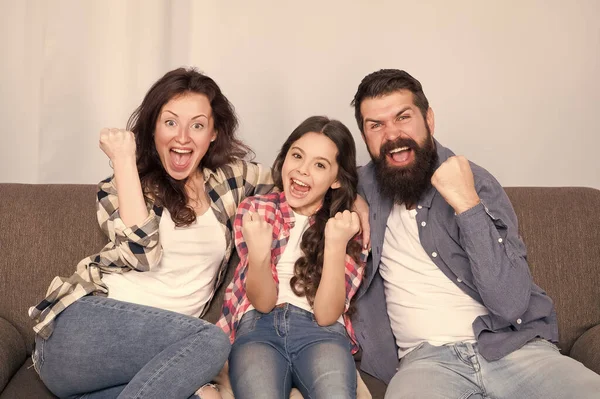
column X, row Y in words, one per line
column 138, row 247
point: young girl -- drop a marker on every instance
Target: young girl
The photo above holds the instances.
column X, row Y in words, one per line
column 287, row 308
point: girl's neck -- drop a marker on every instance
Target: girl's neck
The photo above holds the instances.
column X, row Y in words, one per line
column 307, row 210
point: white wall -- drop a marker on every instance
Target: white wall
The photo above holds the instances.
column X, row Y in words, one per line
column 514, row 85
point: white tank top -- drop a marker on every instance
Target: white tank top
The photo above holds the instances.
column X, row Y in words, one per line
column 184, row 279
column 285, row 266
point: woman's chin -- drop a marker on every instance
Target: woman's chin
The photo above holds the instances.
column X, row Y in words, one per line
column 179, row 174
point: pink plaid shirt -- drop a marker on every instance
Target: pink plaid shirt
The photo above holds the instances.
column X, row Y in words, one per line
column 275, row 209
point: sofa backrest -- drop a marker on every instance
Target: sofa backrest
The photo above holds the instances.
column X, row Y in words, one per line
column 561, row 228
column 45, row 230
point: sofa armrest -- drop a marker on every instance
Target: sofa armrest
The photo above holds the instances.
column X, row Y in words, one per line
column 12, row 351
column 587, row 349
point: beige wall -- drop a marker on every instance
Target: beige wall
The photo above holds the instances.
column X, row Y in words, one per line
column 514, row 85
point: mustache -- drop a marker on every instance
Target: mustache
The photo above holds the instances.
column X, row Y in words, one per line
column 399, row 142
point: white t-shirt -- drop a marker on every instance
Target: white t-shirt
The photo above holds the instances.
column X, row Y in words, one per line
column 183, row 281
column 422, row 303
column 285, row 266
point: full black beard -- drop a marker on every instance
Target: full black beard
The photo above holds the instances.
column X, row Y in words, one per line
column 406, row 185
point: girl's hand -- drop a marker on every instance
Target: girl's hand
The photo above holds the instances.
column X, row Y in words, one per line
column 117, row 143
column 258, row 234
column 341, row 228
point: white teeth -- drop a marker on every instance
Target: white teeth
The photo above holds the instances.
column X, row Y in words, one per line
column 398, row 150
column 180, row 151
column 298, row 182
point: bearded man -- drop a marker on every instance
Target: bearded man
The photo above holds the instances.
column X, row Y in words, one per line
column 447, row 308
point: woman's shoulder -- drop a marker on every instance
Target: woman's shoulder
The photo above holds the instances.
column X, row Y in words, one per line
column 239, row 174
column 237, row 167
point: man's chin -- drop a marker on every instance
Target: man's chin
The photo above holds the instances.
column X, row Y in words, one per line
column 391, row 170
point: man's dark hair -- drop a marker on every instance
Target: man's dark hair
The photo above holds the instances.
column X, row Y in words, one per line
column 384, row 82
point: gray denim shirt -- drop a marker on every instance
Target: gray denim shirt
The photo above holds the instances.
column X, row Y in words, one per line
column 479, row 250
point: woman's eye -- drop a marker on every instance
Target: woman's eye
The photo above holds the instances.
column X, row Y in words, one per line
column 320, row 165
column 297, row 156
column 170, row 122
column 197, row 126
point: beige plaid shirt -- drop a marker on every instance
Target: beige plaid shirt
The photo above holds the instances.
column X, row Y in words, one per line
column 138, row 247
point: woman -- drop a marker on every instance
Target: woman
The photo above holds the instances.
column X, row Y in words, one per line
column 126, row 323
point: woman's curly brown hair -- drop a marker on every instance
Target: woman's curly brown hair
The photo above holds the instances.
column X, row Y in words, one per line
column 226, row 148
column 309, row 267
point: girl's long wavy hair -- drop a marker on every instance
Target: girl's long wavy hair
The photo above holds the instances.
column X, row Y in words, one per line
column 226, row 148
column 309, row 267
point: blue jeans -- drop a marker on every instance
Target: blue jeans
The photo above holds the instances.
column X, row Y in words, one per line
column 458, row 371
column 103, row 348
column 286, row 347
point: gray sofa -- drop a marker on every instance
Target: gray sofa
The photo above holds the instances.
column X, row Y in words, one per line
column 46, row 229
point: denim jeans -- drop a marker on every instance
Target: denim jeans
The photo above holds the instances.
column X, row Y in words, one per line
column 102, row 348
column 458, row 371
column 286, row 347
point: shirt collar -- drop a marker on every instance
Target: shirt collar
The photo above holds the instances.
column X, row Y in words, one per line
column 288, row 213
column 208, row 173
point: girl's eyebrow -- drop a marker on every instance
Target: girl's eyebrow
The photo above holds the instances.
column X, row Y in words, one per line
column 297, row 149
column 323, row 159
column 303, row 153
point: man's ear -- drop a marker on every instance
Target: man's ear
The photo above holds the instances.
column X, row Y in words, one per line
column 430, row 120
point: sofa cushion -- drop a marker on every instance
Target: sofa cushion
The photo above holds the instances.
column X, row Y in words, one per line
column 26, row 384
column 587, row 349
column 12, row 352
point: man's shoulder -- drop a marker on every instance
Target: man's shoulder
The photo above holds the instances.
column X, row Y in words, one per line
column 480, row 174
column 366, row 173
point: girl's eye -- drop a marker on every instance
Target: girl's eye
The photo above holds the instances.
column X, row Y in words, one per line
column 170, row 122
column 297, row 156
column 320, row 165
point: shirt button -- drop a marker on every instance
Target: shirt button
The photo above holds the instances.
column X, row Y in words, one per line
column 423, row 224
column 419, row 206
column 500, row 240
column 434, row 254
column 519, row 321
column 458, row 280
